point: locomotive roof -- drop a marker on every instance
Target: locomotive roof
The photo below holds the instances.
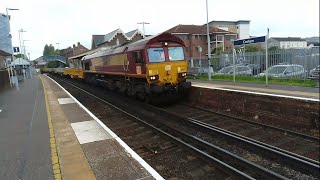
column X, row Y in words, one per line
column 137, row 45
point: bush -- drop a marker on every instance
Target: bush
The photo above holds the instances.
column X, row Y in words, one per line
column 260, row 80
column 53, row 64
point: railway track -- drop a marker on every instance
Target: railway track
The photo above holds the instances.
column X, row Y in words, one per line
column 168, row 141
column 278, row 137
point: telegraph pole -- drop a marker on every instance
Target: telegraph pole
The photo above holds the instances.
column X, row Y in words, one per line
column 143, row 23
column 209, row 47
column 21, row 37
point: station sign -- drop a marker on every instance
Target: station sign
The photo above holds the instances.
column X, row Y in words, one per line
column 16, row 49
column 260, row 39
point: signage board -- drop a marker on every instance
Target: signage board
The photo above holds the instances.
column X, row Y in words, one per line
column 260, row 39
column 16, row 49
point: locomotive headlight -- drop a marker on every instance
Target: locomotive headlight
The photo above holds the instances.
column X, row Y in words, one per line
column 156, row 77
column 184, row 74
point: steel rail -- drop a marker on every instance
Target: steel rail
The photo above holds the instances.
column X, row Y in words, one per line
column 230, row 169
column 286, row 131
column 296, row 161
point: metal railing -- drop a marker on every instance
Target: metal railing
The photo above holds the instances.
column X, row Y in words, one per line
column 299, row 61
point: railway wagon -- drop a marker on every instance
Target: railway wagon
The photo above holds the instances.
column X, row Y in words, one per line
column 155, row 65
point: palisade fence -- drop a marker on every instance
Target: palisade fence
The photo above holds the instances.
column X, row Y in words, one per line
column 307, row 58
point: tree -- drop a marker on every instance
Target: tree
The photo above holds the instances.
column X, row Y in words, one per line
column 273, row 48
column 217, row 50
column 248, row 48
column 49, row 50
column 46, row 50
column 252, row 48
column 21, row 56
column 53, row 64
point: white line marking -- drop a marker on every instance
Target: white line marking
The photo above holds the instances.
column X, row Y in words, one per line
column 144, row 164
column 0, row 110
column 260, row 93
column 89, row 131
column 66, row 101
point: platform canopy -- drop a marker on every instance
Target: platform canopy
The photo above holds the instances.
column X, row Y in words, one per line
column 20, row 62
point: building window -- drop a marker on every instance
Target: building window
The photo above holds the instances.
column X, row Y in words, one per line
column 219, row 38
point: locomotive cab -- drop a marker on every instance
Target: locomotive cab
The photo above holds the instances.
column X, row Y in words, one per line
column 166, row 67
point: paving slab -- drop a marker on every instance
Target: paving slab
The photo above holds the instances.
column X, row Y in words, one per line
column 25, row 151
column 82, row 139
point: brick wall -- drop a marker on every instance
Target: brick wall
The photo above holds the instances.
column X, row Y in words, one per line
column 191, row 42
column 300, row 115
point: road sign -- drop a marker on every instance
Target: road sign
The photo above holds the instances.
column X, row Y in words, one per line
column 260, row 39
column 16, row 49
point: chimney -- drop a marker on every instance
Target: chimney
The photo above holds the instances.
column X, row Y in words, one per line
column 78, row 43
column 74, row 45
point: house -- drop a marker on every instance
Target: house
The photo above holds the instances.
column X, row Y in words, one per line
column 195, row 39
column 4, row 58
column 116, row 37
column 75, row 50
column 5, row 36
column 102, row 42
column 135, row 35
column 287, row 42
column 241, row 27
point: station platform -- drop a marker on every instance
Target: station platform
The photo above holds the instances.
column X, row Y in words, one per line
column 45, row 133
column 308, row 93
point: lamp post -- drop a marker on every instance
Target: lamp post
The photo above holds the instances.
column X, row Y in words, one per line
column 10, row 9
column 21, row 31
column 209, row 47
column 58, row 48
column 24, row 48
column 12, row 56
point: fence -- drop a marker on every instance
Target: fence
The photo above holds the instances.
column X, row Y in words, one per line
column 284, row 63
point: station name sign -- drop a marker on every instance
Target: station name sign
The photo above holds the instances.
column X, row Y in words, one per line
column 260, row 39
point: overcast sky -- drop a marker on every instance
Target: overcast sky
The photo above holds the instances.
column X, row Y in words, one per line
column 70, row 21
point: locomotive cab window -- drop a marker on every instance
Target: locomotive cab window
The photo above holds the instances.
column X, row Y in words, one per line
column 156, row 55
column 176, row 53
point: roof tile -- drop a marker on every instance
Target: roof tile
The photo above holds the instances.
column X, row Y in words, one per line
column 195, row 29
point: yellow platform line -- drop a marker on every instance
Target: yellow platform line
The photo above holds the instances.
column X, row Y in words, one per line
column 53, row 146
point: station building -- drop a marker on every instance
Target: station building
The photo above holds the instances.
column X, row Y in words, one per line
column 102, row 42
column 195, row 39
column 287, row 42
column 241, row 27
column 116, row 37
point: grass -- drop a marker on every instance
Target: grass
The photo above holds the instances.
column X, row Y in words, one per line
column 260, row 80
